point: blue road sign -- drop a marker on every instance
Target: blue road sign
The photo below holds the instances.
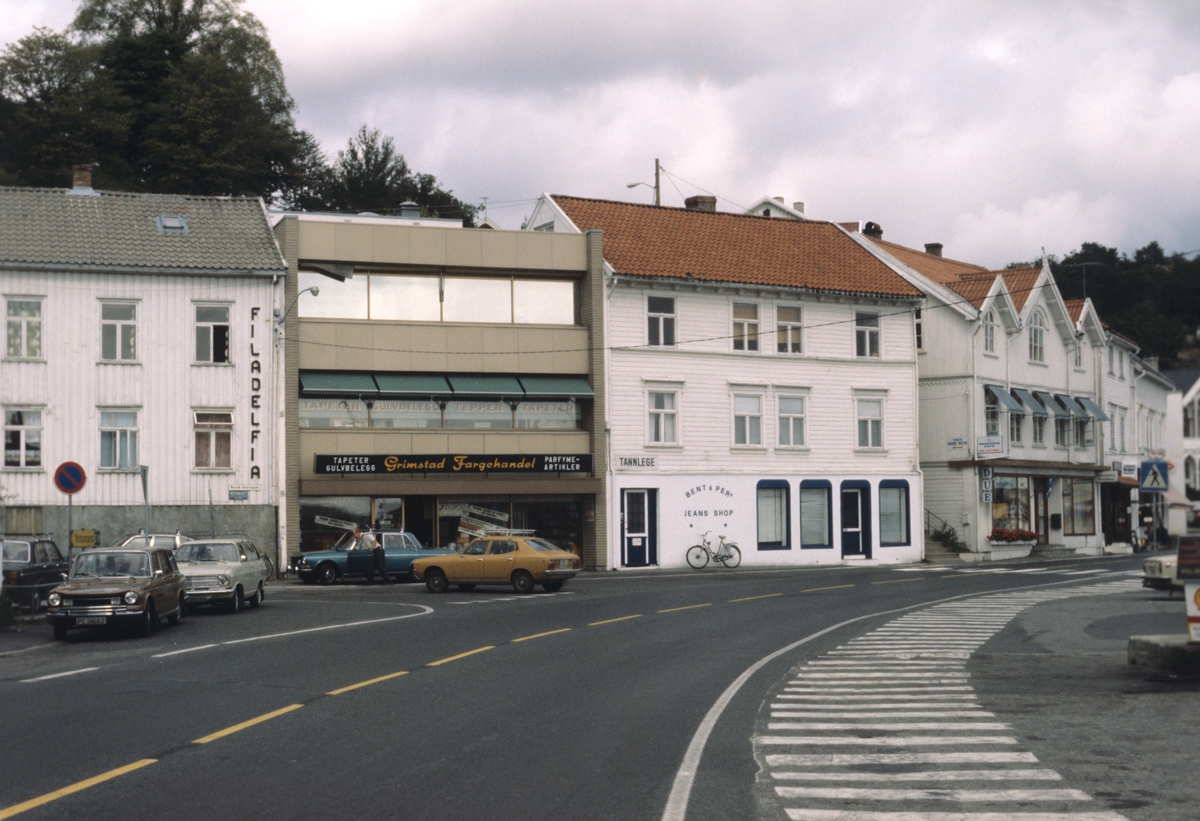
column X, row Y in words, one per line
column 1154, row 477
column 69, row 477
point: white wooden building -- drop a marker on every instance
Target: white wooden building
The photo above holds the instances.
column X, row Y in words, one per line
column 139, row 332
column 761, row 385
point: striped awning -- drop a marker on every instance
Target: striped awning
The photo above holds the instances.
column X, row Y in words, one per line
column 1070, row 404
column 1005, row 398
column 1092, row 408
column 1055, row 407
column 1030, row 401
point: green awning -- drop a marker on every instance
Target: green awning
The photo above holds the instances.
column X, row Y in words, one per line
column 1092, row 408
column 1005, row 399
column 1055, row 407
column 1070, row 404
column 412, row 385
column 346, row 383
column 498, row 386
column 1028, row 400
column 551, row 386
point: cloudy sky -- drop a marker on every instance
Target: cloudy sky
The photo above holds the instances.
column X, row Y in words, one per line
column 996, row 128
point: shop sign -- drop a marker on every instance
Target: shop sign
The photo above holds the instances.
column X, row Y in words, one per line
column 1106, row 477
column 637, row 461
column 1130, row 469
column 83, row 538
column 453, row 463
column 989, row 446
column 1189, row 558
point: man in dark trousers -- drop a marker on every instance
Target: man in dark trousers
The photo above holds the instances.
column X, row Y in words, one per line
column 367, row 542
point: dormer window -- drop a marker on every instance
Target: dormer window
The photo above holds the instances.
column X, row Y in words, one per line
column 989, row 332
column 171, row 224
column 1037, row 338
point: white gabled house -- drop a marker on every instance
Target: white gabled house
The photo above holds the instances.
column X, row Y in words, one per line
column 761, row 385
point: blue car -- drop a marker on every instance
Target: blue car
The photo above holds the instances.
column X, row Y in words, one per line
column 347, row 560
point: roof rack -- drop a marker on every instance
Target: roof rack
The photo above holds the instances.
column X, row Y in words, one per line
column 507, row 531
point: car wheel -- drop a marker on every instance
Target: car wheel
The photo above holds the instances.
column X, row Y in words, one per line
column 327, row 573
column 257, row 598
column 552, row 585
column 522, row 582
column 149, row 621
column 466, row 588
column 35, row 603
column 60, row 631
column 175, row 617
column 435, row 581
column 235, row 603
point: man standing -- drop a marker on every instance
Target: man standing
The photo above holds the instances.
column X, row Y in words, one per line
column 367, row 542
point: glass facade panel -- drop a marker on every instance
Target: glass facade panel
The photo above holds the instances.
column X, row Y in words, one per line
column 543, row 302
column 332, row 413
column 406, row 413
column 548, row 415
column 483, row 413
column 477, row 300
column 336, row 300
column 409, row 298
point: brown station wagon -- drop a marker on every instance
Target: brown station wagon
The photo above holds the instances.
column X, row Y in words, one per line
column 520, row 560
column 117, row 585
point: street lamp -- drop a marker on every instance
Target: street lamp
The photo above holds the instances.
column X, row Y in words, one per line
column 314, row 289
column 657, row 198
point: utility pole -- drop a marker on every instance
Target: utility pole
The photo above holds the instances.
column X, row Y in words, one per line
column 657, row 188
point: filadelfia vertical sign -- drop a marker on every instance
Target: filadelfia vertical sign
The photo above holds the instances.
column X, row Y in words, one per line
column 255, row 396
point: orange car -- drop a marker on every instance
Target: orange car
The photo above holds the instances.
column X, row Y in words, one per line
column 522, row 561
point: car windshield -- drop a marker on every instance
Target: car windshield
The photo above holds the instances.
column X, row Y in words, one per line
column 542, row 545
column 134, row 564
column 206, row 553
column 346, row 542
column 16, row 552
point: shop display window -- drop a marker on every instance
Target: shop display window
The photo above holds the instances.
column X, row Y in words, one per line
column 463, row 519
column 316, row 536
column 405, row 413
column 332, row 413
column 1010, row 503
column 548, row 415
column 389, row 513
column 1079, row 507
column 484, row 413
column 558, row 519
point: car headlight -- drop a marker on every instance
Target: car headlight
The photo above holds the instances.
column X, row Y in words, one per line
column 131, row 597
column 222, row 580
column 54, row 599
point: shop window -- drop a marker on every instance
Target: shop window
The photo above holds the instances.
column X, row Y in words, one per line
column 1016, row 422
column 406, row 413
column 866, row 334
column 212, row 333
column 816, row 516
column 787, row 330
column 317, row 535
column 662, row 425
column 989, row 332
column 791, row 421
column 118, row 331
column 481, row 414
column 1039, row 430
column 22, row 438
column 870, row 423
column 388, row 513
column 1010, row 502
column 745, row 326
column 464, row 519
column 773, row 515
column 546, row 414
column 747, row 420
column 1079, row 506
column 119, row 439
column 214, row 434
column 332, row 413
column 24, row 328
column 1037, row 338
column 404, row 298
column 893, row 513
column 543, row 302
column 660, row 321
column 476, row 299
column 558, row 519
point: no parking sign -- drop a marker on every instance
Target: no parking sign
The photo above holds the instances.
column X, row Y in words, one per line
column 69, row 477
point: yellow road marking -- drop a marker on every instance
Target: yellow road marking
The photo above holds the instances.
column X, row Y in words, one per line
column 835, row 587
column 539, row 635
column 460, row 656
column 610, row 621
column 688, row 607
column 24, row 806
column 752, row 598
column 341, row 690
column 897, row 581
column 236, row 727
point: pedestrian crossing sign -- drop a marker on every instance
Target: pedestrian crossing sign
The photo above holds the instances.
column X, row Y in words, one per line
column 1154, row 477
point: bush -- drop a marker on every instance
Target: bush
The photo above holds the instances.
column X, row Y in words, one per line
column 1003, row 534
column 949, row 537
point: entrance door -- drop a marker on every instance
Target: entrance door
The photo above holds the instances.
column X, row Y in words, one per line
column 638, row 528
column 1041, row 520
column 852, row 521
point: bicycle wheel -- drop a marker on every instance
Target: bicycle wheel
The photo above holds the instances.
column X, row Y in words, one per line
column 697, row 556
column 734, row 558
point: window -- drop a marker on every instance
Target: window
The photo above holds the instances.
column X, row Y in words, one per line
column 991, row 414
column 1111, row 351
column 791, row 421
column 919, row 329
column 212, row 333
column 1010, row 502
column 1015, row 423
column 546, row 414
column 1079, row 354
column 118, row 331
column 866, row 334
column 119, row 439
column 214, row 432
column 660, row 320
column 1062, row 432
column 773, row 515
column 24, row 329
column 989, row 332
column 403, row 413
column 1039, row 430
column 870, row 423
column 1079, row 506
column 1121, row 364
column 401, row 297
column 481, row 413
column 335, row 413
column 22, row 438
column 815, row 514
column 787, row 330
column 747, row 420
column 893, row 512
column 1122, row 432
column 1037, row 338
column 662, row 427
column 1081, row 433
column 745, row 327
column 542, row 302
column 475, row 299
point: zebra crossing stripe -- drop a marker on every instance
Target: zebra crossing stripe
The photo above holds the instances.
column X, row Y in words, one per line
column 925, row 775
column 852, row 815
column 869, row 794
column 882, row 741
column 855, row 759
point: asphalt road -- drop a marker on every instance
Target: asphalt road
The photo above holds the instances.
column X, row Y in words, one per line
column 389, row 702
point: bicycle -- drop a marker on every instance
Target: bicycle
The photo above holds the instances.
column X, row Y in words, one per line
column 727, row 553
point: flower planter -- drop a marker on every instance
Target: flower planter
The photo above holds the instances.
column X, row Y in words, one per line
column 1011, row 550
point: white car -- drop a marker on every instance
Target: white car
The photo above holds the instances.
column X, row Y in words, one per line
column 226, row 572
column 1162, row 573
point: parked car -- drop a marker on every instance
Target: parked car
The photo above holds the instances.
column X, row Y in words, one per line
column 347, row 560
column 1162, row 573
column 520, row 560
column 114, row 585
column 225, row 572
column 32, row 567
column 171, row 541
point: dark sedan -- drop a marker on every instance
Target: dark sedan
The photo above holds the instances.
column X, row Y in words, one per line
column 32, row 568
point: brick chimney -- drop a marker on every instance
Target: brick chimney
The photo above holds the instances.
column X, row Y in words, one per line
column 81, row 175
column 701, row 202
column 873, row 230
column 934, row 249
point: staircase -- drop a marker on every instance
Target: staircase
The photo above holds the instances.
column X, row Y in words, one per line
column 935, row 551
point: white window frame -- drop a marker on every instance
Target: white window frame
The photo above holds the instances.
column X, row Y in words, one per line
column 989, row 332
column 22, row 325
column 658, row 420
column 866, row 337
column 1039, row 430
column 745, row 330
column 125, row 440
column 991, row 414
column 1037, row 338
column 1081, row 438
column 662, row 321
column 919, row 329
column 1079, row 354
column 784, row 421
column 119, row 333
column 22, row 431
column 1062, row 432
column 875, row 433
column 212, row 429
column 788, row 333
column 207, row 328
column 744, row 421
column 1016, row 421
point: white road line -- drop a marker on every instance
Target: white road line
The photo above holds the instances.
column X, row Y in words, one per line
column 870, row 713
column 823, row 698
column 58, row 675
column 935, row 689
column 1083, row 572
column 863, row 676
column 882, row 741
column 854, row 759
column 946, row 726
column 866, row 794
column 928, row 775
column 185, row 650
column 866, row 815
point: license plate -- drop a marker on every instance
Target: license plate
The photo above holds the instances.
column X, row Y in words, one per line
column 91, row 620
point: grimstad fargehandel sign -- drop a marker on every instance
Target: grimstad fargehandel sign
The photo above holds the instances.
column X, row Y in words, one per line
column 453, row 463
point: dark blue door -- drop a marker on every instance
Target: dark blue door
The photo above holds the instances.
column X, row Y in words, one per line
column 639, row 528
column 856, row 518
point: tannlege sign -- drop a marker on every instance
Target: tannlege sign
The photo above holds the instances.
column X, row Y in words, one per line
column 453, row 463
